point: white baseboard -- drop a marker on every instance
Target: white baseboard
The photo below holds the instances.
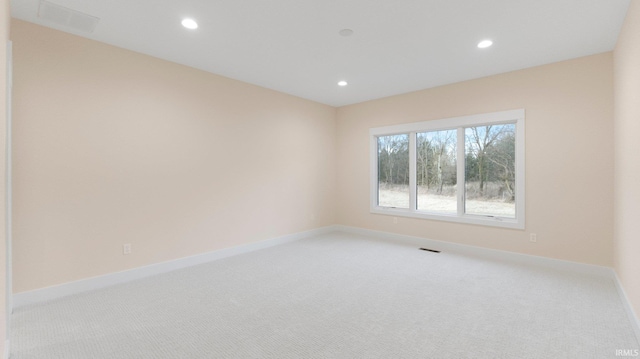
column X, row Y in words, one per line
column 58, row 291
column 587, row 269
column 633, row 318
column 495, row 254
column 83, row 285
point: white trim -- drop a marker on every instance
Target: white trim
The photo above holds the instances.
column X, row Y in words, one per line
column 460, row 163
column 502, row 117
column 373, row 178
column 633, row 318
column 83, row 285
column 466, row 219
column 9, row 196
column 7, row 349
column 488, row 253
column 450, row 123
column 49, row 293
column 520, row 171
column 495, row 254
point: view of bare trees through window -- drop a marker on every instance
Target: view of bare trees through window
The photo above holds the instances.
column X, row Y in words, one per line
column 436, row 171
column 490, row 170
column 393, row 171
column 489, row 165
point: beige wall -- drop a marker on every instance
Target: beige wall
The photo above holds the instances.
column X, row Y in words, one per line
column 4, row 35
column 569, row 157
column 114, row 147
column 627, row 152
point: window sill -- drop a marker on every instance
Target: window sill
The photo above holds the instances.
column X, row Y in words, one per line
column 489, row 221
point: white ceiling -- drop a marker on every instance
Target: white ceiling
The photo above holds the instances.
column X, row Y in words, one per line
column 399, row 46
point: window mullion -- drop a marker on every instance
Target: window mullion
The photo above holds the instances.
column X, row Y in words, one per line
column 460, row 167
column 412, row 172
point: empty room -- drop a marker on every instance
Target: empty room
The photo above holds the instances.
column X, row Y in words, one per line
column 320, row 179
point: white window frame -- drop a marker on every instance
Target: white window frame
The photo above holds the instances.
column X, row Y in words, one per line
column 512, row 116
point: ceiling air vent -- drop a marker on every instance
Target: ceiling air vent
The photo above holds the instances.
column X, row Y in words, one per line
column 66, row 17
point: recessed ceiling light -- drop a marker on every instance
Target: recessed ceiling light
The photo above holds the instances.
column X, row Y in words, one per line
column 345, row 32
column 190, row 24
column 485, row 43
column 342, row 83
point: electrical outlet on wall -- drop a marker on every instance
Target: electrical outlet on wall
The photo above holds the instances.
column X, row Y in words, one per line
column 533, row 237
column 126, row 248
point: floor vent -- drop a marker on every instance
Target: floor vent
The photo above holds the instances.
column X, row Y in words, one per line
column 429, row 250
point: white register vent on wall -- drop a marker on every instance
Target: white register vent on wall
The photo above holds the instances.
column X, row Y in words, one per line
column 66, row 17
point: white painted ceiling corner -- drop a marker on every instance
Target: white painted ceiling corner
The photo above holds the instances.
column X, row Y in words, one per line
column 300, row 48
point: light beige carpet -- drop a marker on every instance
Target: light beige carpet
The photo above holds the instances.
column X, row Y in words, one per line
column 335, row 296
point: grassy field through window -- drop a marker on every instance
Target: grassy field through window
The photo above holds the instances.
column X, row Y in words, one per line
column 398, row 196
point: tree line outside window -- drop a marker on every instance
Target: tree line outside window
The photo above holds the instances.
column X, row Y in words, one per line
column 489, row 170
